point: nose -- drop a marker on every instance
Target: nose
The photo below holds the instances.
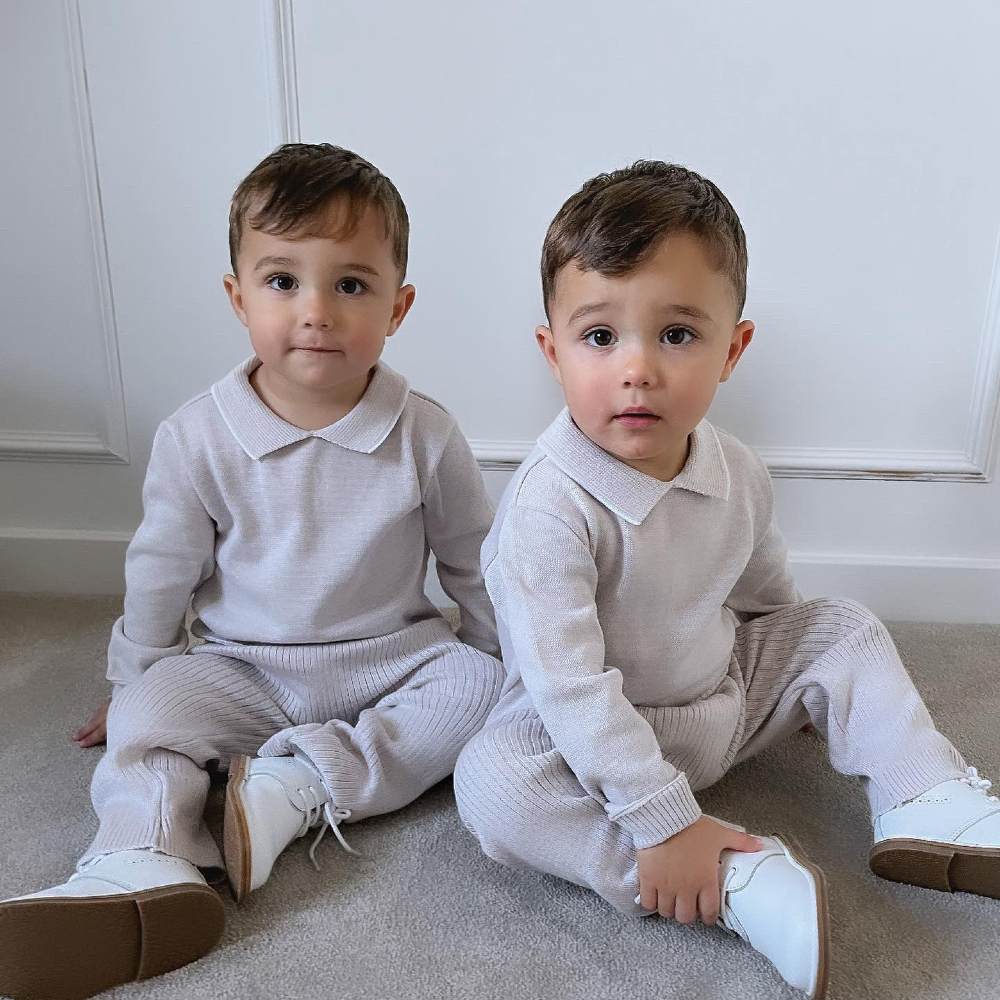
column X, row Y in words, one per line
column 639, row 370
column 317, row 313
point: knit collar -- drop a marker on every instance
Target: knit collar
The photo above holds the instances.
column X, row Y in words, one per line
column 260, row 431
column 626, row 491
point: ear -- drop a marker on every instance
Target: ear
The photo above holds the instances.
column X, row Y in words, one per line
column 740, row 341
column 400, row 307
column 232, row 286
column 547, row 344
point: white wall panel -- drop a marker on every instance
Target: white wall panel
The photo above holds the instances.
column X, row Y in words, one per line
column 856, row 141
column 60, row 387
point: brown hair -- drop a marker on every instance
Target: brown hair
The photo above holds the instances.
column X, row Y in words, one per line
column 290, row 188
column 615, row 220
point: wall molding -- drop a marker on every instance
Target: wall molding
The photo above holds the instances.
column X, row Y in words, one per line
column 281, row 70
column 985, row 420
column 111, row 444
column 798, row 463
column 896, row 588
column 57, row 446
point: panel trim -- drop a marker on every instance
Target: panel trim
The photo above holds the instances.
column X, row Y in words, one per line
column 111, row 445
column 985, row 421
column 281, row 70
column 56, row 446
column 797, row 463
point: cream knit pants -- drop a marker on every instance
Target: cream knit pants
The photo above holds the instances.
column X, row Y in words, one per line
column 381, row 719
column 831, row 662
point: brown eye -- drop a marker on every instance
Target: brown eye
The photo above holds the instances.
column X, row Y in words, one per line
column 678, row 332
column 601, row 337
column 281, row 282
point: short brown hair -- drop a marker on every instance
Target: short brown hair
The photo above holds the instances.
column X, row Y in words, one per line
column 290, row 188
column 615, row 220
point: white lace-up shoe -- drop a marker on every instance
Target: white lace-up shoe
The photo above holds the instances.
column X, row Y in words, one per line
column 122, row 917
column 948, row 839
column 776, row 901
column 271, row 801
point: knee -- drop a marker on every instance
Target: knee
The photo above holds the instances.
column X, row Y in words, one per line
column 489, row 676
column 485, row 792
column 848, row 614
column 154, row 704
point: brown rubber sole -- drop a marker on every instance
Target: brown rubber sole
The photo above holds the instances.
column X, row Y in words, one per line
column 66, row 948
column 946, row 867
column 236, row 832
column 822, row 913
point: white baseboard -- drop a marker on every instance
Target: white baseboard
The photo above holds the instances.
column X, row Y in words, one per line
column 895, row 588
column 63, row 562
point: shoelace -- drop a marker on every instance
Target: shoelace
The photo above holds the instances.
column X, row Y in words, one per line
column 981, row 784
column 331, row 820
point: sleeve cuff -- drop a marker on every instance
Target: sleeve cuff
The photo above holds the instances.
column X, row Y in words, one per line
column 128, row 660
column 659, row 816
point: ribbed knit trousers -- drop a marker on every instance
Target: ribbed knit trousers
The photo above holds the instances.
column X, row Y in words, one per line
column 831, row 662
column 381, row 719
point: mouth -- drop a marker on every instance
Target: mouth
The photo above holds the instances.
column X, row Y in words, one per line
column 318, row 350
column 637, row 416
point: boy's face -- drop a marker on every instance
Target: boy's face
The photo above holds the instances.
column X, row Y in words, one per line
column 319, row 307
column 659, row 339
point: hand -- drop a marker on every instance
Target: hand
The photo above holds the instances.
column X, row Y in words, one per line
column 95, row 730
column 680, row 877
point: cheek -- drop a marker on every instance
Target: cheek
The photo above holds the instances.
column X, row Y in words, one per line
column 587, row 386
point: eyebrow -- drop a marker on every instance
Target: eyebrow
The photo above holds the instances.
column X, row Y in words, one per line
column 274, row 262
column 684, row 310
column 585, row 310
column 268, row 262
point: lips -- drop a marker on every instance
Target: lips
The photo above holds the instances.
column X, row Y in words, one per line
column 637, row 417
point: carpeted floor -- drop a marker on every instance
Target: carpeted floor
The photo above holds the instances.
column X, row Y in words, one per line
column 429, row 917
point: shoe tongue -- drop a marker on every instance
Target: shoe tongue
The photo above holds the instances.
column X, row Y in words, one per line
column 727, row 919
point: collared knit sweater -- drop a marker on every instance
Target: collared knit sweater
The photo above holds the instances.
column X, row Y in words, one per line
column 287, row 536
column 614, row 589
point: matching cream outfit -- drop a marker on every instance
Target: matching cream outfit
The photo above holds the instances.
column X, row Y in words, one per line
column 653, row 637
column 306, row 553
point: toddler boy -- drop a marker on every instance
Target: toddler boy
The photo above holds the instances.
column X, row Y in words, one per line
column 296, row 502
column 651, row 631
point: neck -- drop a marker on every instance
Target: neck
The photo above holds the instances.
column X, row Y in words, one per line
column 305, row 408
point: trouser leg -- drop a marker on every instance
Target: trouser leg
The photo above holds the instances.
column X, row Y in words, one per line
column 402, row 742
column 834, row 663
column 519, row 798
column 150, row 787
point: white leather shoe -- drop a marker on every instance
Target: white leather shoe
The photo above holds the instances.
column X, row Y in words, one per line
column 775, row 900
column 122, row 917
column 948, row 838
column 271, row 801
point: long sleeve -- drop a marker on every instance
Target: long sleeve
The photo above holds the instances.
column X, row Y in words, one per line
column 766, row 585
column 543, row 582
column 457, row 516
column 171, row 553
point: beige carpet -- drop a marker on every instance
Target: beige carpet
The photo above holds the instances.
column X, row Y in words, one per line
column 429, row 917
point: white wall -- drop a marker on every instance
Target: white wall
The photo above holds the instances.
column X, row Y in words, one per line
column 856, row 142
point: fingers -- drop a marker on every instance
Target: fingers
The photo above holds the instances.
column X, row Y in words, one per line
column 744, row 842
column 647, row 896
column 686, row 908
column 708, row 903
column 666, row 904
column 90, row 735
